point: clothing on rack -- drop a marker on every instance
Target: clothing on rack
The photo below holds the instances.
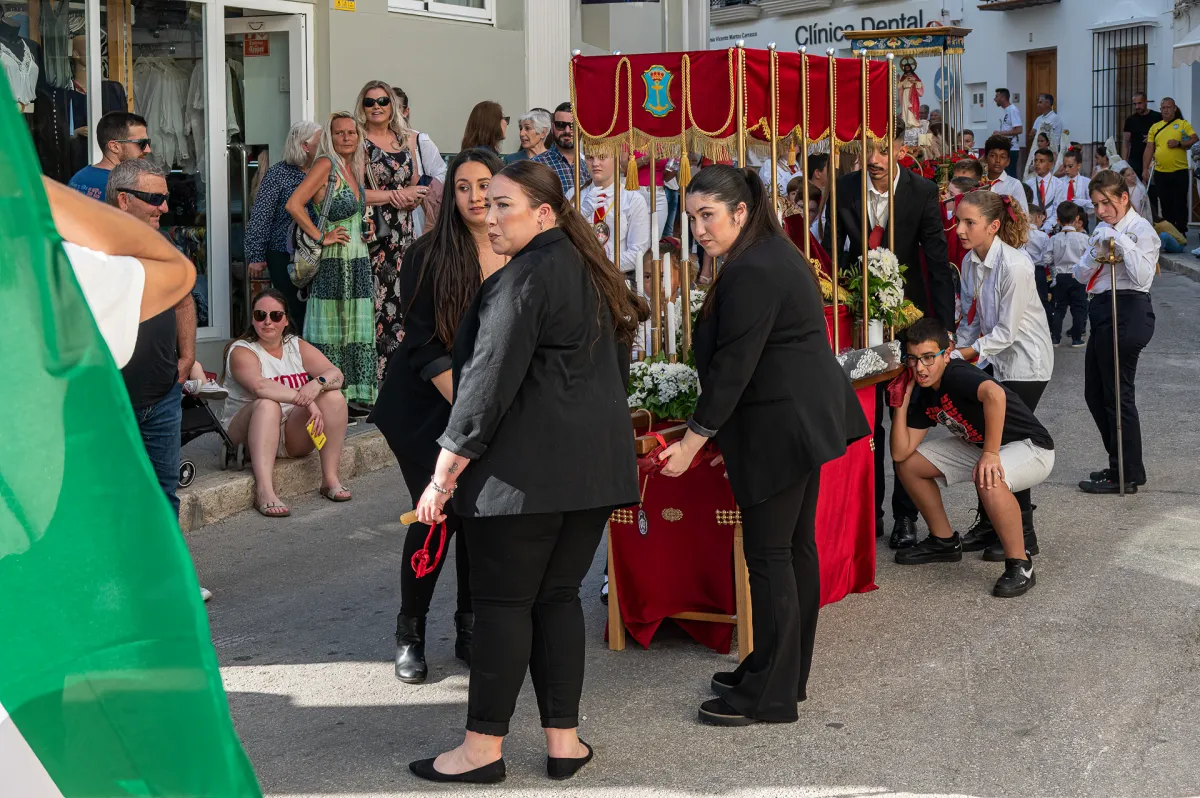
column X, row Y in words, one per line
column 56, row 43
column 20, row 67
column 197, row 108
column 160, row 91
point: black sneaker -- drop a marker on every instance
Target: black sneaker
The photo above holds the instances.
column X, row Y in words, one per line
column 932, row 549
column 1055, row 341
column 1110, row 475
column 1018, row 578
column 981, row 534
column 1107, row 487
column 904, row 534
column 1076, row 343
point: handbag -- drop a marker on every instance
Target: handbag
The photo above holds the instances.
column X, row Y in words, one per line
column 306, row 251
column 383, row 230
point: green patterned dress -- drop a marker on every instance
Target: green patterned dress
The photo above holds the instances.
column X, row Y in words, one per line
column 341, row 306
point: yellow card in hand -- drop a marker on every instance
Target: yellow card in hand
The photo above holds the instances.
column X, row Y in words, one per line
column 319, row 439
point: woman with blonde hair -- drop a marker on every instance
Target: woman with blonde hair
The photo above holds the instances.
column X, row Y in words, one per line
column 392, row 191
column 487, row 127
column 340, row 321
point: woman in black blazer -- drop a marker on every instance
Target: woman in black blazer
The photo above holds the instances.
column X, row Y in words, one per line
column 439, row 276
column 779, row 406
column 536, row 371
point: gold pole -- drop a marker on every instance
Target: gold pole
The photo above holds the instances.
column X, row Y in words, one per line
column 833, row 208
column 866, row 216
column 575, row 130
column 804, row 146
column 774, row 132
column 685, row 304
column 891, row 145
column 942, row 99
column 741, row 103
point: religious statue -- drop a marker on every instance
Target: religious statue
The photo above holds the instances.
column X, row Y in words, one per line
column 911, row 91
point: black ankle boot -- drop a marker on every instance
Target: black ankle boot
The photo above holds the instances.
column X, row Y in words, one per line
column 410, row 650
column 995, row 552
column 464, row 623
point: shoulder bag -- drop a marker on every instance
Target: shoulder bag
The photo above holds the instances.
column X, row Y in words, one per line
column 383, row 230
column 306, row 251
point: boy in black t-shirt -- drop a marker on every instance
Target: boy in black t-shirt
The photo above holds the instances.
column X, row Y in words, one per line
column 997, row 443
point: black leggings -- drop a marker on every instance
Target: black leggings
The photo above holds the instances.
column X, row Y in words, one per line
column 778, row 536
column 525, row 577
column 416, row 594
column 1030, row 393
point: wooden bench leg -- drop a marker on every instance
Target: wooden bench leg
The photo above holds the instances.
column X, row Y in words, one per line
column 616, row 627
column 741, row 588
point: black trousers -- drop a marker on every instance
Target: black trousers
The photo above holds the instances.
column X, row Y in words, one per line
column 417, row 593
column 1030, row 393
column 277, row 267
column 778, row 536
column 1135, row 328
column 902, row 504
column 1069, row 294
column 525, row 577
column 1172, row 190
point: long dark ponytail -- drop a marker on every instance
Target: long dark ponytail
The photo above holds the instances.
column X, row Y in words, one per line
column 542, row 187
column 732, row 187
column 451, row 257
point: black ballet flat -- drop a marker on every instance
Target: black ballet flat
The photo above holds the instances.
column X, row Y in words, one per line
column 717, row 713
column 564, row 767
column 491, row 773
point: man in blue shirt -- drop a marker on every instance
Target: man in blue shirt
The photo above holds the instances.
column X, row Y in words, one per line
column 561, row 157
column 122, row 137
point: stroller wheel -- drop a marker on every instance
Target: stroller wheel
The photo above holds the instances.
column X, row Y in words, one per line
column 243, row 456
column 187, row 473
column 227, row 455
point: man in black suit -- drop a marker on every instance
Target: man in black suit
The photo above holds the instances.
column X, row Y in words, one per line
column 929, row 281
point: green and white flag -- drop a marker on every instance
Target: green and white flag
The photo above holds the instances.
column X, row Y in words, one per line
column 109, row 684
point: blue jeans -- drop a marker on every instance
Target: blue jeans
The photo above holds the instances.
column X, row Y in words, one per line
column 672, row 212
column 1169, row 244
column 159, row 424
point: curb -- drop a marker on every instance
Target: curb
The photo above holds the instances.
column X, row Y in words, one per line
column 1186, row 265
column 218, row 495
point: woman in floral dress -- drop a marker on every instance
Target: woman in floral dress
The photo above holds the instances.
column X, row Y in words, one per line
column 392, row 192
column 340, row 321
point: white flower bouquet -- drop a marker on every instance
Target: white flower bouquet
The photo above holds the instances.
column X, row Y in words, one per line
column 668, row 390
column 885, row 286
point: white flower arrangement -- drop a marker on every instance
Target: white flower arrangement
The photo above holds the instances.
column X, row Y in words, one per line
column 884, row 285
column 668, row 390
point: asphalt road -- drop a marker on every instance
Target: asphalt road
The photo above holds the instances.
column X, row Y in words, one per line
column 1088, row 686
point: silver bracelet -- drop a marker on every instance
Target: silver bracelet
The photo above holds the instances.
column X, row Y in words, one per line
column 439, row 489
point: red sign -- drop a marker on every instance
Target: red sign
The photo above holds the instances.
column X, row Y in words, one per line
column 256, row 44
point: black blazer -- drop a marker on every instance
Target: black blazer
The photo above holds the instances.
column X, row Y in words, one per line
column 539, row 401
column 918, row 230
column 409, row 411
column 771, row 390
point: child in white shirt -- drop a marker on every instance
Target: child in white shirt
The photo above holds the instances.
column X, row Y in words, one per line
column 1037, row 247
column 1067, row 249
column 1047, row 189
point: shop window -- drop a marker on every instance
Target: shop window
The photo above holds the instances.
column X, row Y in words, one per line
column 472, row 10
column 1120, row 65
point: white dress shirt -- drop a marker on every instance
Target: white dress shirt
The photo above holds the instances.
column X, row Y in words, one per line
column 1137, row 242
column 1007, row 184
column 877, row 202
column 635, row 221
column 1054, row 122
column 1010, row 118
column 1083, row 197
column 783, row 173
column 1067, row 250
column 1009, row 327
column 1055, row 191
column 1037, row 247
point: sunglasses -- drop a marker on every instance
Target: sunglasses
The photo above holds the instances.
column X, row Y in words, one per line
column 561, row 125
column 146, row 196
column 926, row 360
column 143, row 144
column 506, row 120
column 371, row 102
column 261, row 315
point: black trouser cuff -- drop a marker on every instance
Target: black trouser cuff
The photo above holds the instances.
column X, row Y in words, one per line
column 492, row 728
column 568, row 722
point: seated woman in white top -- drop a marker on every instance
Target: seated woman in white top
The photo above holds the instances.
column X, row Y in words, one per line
column 595, row 203
column 277, row 385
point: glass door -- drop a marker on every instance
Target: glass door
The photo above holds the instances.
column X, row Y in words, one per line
column 267, row 89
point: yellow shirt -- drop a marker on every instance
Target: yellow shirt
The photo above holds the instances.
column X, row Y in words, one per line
column 1167, row 159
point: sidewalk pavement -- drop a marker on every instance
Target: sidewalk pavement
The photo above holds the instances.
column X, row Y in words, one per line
column 1184, row 263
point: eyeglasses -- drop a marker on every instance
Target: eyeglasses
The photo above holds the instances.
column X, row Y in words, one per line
column 926, row 359
column 143, row 144
column 146, row 196
column 261, row 315
column 371, row 102
column 505, row 120
column 561, row 125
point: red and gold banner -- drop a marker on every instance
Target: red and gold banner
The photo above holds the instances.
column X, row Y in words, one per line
column 663, row 96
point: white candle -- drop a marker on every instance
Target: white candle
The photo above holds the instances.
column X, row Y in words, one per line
column 666, row 275
column 671, row 329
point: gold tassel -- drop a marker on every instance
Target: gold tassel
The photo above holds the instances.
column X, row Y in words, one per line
column 791, row 162
column 631, row 177
column 685, row 170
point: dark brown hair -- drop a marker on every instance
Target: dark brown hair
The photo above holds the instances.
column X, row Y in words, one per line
column 483, row 126
column 970, row 167
column 1110, row 184
column 541, row 186
column 1014, row 224
column 251, row 334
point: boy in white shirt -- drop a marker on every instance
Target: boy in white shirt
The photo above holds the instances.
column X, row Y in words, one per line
column 997, row 154
column 1076, row 184
column 1067, row 249
column 1037, row 247
column 1048, row 190
column 595, row 203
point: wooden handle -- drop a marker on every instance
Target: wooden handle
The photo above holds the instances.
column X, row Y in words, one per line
column 409, row 518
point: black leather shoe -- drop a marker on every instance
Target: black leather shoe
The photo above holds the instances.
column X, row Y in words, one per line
column 1017, row 580
column 995, row 552
column 717, row 713
column 932, row 549
column 879, row 527
column 563, row 767
column 904, row 534
column 1110, row 475
column 491, row 773
column 724, row 681
column 1107, row 487
column 981, row 534
column 464, row 625
column 410, row 650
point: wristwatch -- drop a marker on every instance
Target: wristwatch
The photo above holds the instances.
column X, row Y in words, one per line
column 323, row 381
